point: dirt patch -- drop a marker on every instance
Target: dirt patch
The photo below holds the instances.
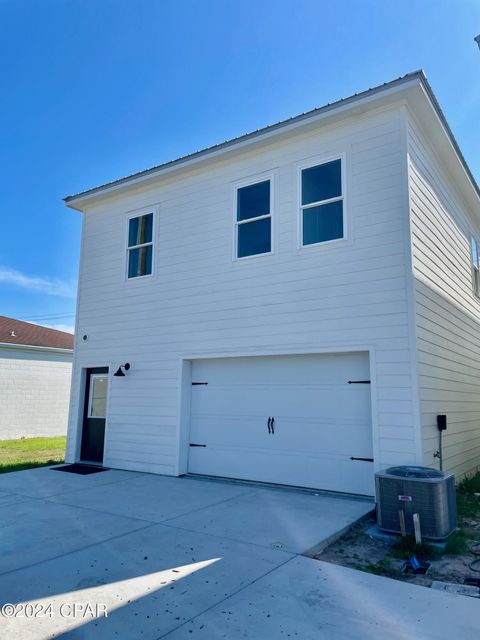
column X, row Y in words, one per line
column 360, row 548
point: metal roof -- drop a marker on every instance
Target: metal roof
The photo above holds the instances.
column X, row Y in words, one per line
column 420, row 75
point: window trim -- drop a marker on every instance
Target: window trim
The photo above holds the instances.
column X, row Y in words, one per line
column 138, row 214
column 247, row 182
column 316, row 162
column 93, row 376
column 475, row 268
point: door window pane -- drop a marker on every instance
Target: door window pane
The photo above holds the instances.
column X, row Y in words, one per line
column 140, row 230
column 140, row 261
column 98, row 396
column 322, row 182
column 323, row 223
column 253, row 201
column 254, row 237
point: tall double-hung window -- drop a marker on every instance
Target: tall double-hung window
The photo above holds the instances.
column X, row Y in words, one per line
column 253, row 219
column 322, row 203
column 140, row 246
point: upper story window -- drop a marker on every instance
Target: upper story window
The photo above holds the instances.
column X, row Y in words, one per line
column 253, row 221
column 140, row 245
column 475, row 267
column 322, row 206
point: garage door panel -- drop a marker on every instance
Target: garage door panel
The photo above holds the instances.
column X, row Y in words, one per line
column 284, row 469
column 332, row 437
column 270, row 400
column 321, row 421
column 302, row 369
column 230, row 430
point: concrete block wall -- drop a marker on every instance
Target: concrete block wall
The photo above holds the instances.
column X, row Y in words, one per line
column 34, row 393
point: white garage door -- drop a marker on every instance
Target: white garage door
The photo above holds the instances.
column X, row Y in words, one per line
column 296, row 420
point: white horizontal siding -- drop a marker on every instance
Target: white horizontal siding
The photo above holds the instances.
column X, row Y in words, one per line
column 34, row 393
column 447, row 311
column 337, row 296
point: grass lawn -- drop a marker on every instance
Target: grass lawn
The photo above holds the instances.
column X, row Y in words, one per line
column 28, row 453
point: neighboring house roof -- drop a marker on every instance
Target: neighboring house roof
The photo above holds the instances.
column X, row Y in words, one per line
column 418, row 76
column 18, row 332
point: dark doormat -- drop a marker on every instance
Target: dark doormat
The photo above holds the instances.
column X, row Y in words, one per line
column 81, row 469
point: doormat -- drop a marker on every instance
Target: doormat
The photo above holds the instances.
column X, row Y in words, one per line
column 81, row 469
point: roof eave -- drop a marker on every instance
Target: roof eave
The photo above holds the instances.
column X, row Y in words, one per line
column 449, row 134
column 79, row 201
column 34, row 347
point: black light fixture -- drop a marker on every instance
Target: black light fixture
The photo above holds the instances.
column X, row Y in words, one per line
column 119, row 372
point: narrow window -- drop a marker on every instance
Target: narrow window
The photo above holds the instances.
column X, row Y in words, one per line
column 140, row 246
column 97, row 403
column 475, row 268
column 254, row 220
column 322, row 203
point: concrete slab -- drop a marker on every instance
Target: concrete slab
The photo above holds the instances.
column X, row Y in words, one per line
column 152, row 581
column 217, row 566
column 281, row 519
column 10, row 498
column 154, row 498
column 312, row 600
column 35, row 530
column 43, row 482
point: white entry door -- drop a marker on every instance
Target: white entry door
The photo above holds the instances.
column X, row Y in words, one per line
column 297, row 420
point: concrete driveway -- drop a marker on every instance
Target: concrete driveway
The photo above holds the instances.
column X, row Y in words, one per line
column 180, row 558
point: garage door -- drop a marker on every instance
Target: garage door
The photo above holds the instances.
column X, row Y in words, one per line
column 295, row 420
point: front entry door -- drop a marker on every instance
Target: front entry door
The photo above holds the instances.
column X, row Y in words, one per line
column 93, row 435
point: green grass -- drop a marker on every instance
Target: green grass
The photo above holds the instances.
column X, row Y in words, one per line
column 28, row 453
column 468, row 505
column 380, row 568
column 458, row 543
column 406, row 547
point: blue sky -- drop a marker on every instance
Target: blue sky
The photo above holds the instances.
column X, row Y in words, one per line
column 96, row 89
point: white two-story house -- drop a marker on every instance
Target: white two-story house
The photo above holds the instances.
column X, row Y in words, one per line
column 296, row 305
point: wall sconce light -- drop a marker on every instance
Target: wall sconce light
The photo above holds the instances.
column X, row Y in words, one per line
column 119, row 372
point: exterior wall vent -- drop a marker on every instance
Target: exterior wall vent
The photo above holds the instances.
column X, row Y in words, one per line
column 428, row 492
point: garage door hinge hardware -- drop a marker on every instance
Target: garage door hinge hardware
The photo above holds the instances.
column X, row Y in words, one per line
column 362, row 459
column 359, row 382
column 197, row 445
column 198, row 383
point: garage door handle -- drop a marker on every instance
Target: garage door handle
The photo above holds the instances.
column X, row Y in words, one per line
column 272, row 425
column 269, row 422
column 362, row 459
